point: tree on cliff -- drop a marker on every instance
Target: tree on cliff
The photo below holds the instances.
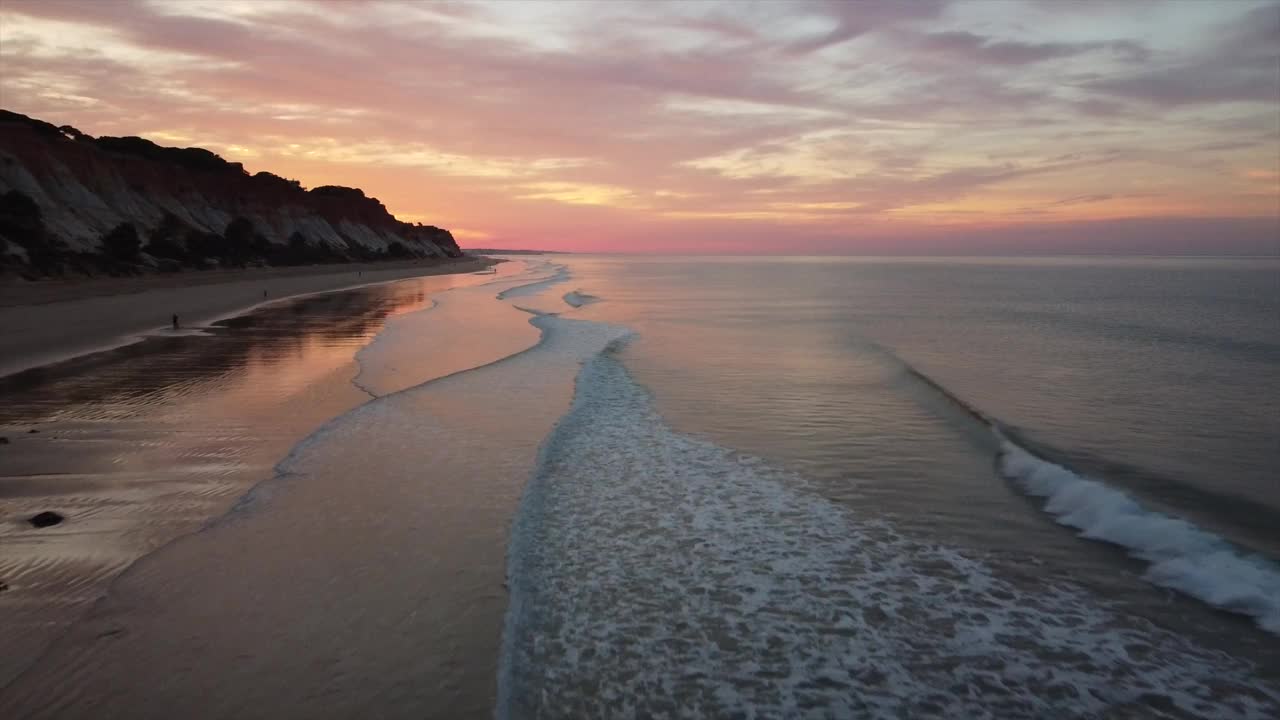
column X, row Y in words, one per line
column 299, row 250
column 202, row 245
column 191, row 158
column 20, row 219
column 74, row 134
column 22, row 222
column 239, row 230
column 238, row 239
column 122, row 243
column 165, row 241
column 272, row 180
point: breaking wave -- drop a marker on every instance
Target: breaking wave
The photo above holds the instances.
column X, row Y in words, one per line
column 1181, row 556
column 656, row 574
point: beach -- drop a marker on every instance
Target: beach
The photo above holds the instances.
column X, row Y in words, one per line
column 52, row 320
column 144, row 443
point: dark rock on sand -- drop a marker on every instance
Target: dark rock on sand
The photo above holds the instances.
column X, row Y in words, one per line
column 46, row 519
column 4, row 441
column 32, row 431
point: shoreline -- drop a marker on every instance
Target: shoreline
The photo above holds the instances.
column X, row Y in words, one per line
column 49, row 322
column 292, row 511
column 139, row 450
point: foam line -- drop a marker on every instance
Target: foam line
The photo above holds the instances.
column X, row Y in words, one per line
column 1181, row 556
column 533, row 288
column 654, row 574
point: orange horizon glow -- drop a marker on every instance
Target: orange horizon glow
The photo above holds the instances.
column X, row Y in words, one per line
column 706, row 127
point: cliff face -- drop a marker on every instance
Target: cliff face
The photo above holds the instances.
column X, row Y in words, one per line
column 185, row 201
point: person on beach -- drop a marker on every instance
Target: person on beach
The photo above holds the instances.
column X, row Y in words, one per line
column 175, row 321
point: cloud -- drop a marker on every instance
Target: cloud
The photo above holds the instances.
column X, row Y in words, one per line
column 969, row 47
column 1081, row 199
column 1240, row 64
column 853, row 19
column 539, row 121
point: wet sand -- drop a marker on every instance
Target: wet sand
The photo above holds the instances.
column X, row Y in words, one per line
column 146, row 443
column 366, row 580
column 53, row 320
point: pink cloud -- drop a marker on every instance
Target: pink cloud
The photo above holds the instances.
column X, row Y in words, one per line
column 691, row 127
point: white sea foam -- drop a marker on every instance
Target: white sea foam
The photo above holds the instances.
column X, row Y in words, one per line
column 653, row 574
column 1181, row 556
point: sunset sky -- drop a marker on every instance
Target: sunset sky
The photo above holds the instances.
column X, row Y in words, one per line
column 757, row 127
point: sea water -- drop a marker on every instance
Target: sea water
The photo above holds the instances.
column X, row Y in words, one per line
column 784, row 487
column 997, row 488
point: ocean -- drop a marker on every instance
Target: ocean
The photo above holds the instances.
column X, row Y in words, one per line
column 604, row 486
column 853, row 469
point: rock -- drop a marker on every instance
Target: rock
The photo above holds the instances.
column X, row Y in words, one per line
column 32, row 431
column 3, row 586
column 45, row 519
column 4, row 441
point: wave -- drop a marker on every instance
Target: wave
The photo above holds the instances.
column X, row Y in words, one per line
column 1249, row 349
column 533, row 288
column 1180, row 556
column 652, row 573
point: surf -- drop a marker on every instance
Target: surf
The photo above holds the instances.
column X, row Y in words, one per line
column 651, row 572
column 1179, row 555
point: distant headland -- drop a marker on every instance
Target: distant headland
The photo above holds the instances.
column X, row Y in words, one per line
column 504, row 251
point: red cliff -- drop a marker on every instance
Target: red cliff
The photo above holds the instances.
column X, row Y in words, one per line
column 181, row 202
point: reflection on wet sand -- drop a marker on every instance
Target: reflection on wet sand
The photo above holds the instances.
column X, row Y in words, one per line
column 366, row 577
column 141, row 444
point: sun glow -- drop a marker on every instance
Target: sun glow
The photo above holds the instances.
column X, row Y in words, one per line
column 774, row 121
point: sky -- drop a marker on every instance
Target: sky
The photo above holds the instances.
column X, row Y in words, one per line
column 926, row 127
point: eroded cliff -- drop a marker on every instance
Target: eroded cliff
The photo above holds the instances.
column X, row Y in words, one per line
column 71, row 202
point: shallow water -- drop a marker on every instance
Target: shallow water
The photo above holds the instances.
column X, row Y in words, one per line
column 654, row 574
column 836, row 376
column 818, row 367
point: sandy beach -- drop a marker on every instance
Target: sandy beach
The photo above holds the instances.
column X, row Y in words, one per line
column 362, row 574
column 147, row 442
column 48, row 321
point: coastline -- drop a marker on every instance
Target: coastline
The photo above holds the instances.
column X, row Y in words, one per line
column 142, row 446
column 51, row 321
column 340, row 594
